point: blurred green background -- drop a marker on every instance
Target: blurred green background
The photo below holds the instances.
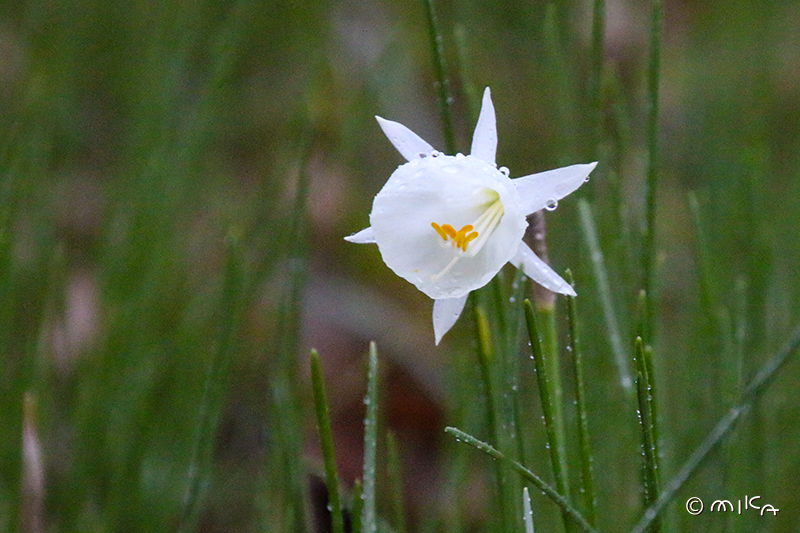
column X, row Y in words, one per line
column 138, row 138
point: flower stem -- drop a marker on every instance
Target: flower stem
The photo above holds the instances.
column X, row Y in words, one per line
column 445, row 96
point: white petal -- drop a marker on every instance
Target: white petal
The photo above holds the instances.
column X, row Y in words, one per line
column 409, row 144
column 484, row 140
column 538, row 190
column 454, row 190
column 445, row 313
column 539, row 271
column 365, row 236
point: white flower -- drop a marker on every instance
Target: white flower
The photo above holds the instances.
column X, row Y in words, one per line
column 448, row 224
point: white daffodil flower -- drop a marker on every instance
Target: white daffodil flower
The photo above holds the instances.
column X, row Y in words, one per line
column 448, row 224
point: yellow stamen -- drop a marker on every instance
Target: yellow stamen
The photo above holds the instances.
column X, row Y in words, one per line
column 439, row 230
column 460, row 238
column 468, row 239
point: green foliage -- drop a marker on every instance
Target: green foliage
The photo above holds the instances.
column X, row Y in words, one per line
column 175, row 182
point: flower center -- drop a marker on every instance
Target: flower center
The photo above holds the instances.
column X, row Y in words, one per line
column 475, row 234
column 460, row 238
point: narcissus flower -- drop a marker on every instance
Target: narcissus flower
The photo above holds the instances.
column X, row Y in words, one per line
column 448, row 224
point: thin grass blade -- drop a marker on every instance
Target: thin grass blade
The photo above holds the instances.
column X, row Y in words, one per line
column 544, row 379
column 584, row 441
column 326, row 442
column 751, row 393
column 604, row 290
column 444, row 93
column 527, row 511
column 526, row 474
column 369, row 517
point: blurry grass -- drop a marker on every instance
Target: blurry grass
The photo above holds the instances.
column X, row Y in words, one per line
column 135, row 136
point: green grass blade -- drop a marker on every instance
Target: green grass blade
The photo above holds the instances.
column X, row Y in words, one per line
column 651, row 183
column 526, row 474
column 604, row 290
column 214, row 386
column 369, row 518
column 396, row 481
column 527, row 511
column 751, row 393
column 326, row 442
column 647, row 425
column 444, row 94
column 485, row 360
column 584, row 442
column 544, row 379
column 596, row 77
column 357, row 505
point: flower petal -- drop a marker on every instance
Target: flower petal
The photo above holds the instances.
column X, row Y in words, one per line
column 484, row 140
column 445, row 313
column 409, row 144
column 446, row 190
column 538, row 190
column 365, row 236
column 539, row 271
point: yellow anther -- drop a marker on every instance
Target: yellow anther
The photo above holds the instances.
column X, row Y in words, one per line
column 460, row 238
column 472, row 236
column 439, row 230
column 450, row 230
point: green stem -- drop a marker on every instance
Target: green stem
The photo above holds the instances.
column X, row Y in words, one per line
column 445, row 96
column 544, row 377
column 326, row 442
column 647, row 423
column 526, row 474
column 584, row 442
column 596, row 77
column 648, row 242
column 369, row 518
column 485, row 359
column 396, row 480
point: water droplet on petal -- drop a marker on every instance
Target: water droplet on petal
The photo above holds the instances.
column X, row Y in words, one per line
column 436, row 153
column 586, row 179
column 460, row 156
column 551, row 205
column 504, row 171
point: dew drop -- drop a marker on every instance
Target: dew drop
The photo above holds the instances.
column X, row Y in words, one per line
column 551, row 205
column 460, row 156
column 504, row 171
column 436, row 153
column 586, row 179
column 512, row 300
